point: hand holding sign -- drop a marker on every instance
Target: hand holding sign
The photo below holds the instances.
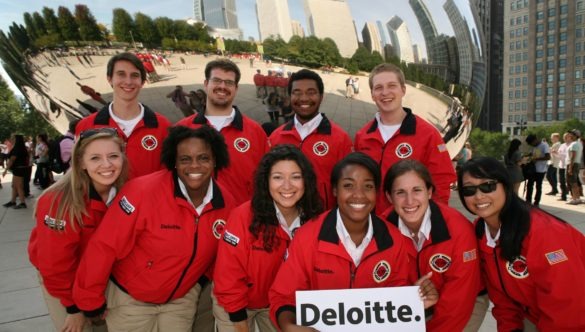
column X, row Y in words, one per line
column 427, row 291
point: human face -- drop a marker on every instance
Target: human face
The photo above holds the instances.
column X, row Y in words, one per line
column 102, row 160
column 387, row 92
column 286, row 185
column 195, row 163
column 410, row 197
column 486, row 206
column 126, row 81
column 222, row 94
column 356, row 195
column 305, row 99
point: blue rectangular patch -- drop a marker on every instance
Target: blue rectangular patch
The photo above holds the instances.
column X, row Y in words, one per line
column 469, row 255
column 556, row 257
column 442, row 147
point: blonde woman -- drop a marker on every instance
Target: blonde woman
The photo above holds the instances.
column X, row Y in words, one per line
column 67, row 215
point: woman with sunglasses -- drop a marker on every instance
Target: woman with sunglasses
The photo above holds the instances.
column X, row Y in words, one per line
column 440, row 240
column 156, row 245
column 533, row 262
column 341, row 240
column 285, row 197
column 67, row 215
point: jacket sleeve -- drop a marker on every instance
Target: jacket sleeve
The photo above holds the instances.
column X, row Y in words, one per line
column 508, row 313
column 439, row 164
column 114, row 240
column 230, row 276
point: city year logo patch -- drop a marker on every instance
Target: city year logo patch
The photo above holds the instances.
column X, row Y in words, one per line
column 381, row 271
column 149, row 142
column 403, row 150
column 230, row 238
column 518, row 268
column 55, row 224
column 320, row 148
column 440, row 262
column 218, row 228
column 126, row 206
column 242, row 144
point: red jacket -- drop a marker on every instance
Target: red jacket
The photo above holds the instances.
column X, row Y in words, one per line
column 270, row 80
column 416, row 139
column 244, row 271
column 317, row 260
column 259, row 80
column 151, row 243
column 545, row 284
column 246, row 142
column 451, row 254
column 324, row 147
column 55, row 247
column 143, row 146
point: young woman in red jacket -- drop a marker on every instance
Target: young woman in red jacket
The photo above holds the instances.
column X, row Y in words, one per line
column 67, row 215
column 257, row 235
column 533, row 262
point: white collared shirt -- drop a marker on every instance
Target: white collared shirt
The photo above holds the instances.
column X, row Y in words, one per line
column 491, row 241
column 208, row 196
column 127, row 126
column 308, row 127
column 387, row 131
column 355, row 252
column 221, row 121
column 111, row 195
column 423, row 232
column 288, row 229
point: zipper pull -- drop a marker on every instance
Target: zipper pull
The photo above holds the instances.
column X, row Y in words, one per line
column 149, row 264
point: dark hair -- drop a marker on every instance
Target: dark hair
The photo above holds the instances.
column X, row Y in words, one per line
column 73, row 124
column 514, row 216
column 126, row 56
column 19, row 145
column 305, row 74
column 530, row 138
column 404, row 166
column 514, row 146
column 44, row 138
column 224, row 64
column 206, row 133
column 264, row 214
column 356, row 158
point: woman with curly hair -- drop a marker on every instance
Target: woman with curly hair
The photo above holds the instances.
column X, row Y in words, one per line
column 257, row 235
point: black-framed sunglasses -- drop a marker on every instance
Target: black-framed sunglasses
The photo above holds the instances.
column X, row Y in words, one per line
column 486, row 188
column 94, row 131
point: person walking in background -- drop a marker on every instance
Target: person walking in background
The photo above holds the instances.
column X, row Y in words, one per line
column 562, row 155
column 197, row 100
column 574, row 158
column 18, row 159
column 260, row 83
column 179, row 97
column 42, row 161
column 553, row 163
column 349, row 87
column 539, row 155
column 273, row 107
column 513, row 161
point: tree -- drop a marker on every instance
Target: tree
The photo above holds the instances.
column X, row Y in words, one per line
column 67, row 24
column 147, row 30
column 17, row 34
column 10, row 113
column 122, row 25
column 489, row 144
column 365, row 60
column 88, row 29
column 39, row 23
column 51, row 22
column 561, row 128
column 185, row 31
column 30, row 25
column 165, row 27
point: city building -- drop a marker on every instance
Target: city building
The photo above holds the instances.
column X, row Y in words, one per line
column 332, row 19
column 437, row 53
column 400, row 37
column 273, row 19
column 220, row 16
column 198, row 10
column 383, row 36
column 371, row 38
column 297, row 28
column 464, row 42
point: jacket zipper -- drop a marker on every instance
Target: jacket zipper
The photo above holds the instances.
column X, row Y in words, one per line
column 189, row 264
column 352, row 272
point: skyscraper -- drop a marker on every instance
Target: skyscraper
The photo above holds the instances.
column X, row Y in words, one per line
column 464, row 42
column 382, row 33
column 400, row 37
column 297, row 28
column 371, row 38
column 219, row 14
column 198, row 10
column 273, row 19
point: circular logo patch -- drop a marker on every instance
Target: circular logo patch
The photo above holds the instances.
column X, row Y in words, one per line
column 403, row 150
column 218, row 228
column 320, row 148
column 241, row 144
column 149, row 142
column 440, row 262
column 381, row 271
column 518, row 268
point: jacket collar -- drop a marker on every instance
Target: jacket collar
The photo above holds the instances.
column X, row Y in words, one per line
column 217, row 202
column 237, row 123
column 408, row 126
column 103, row 117
column 439, row 230
column 324, row 127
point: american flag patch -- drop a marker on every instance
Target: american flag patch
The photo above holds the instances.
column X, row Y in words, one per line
column 556, row 257
column 442, row 147
column 469, row 255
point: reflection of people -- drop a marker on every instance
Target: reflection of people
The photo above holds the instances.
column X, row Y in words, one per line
column 179, row 97
column 320, row 139
column 157, row 242
column 197, row 100
column 532, row 262
column 142, row 129
column 396, row 133
column 67, row 215
column 513, row 162
column 92, row 93
column 285, row 197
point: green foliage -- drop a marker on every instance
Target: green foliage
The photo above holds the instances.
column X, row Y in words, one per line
column 39, row 24
column 365, row 60
column 165, row 27
column 67, row 24
column 122, row 24
column 239, row 46
column 88, row 28
column 51, row 40
column 51, row 22
column 30, row 26
column 561, row 128
column 18, row 36
column 147, row 30
column 490, row 144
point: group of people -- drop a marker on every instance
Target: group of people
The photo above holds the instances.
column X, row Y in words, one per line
column 160, row 227
column 272, row 89
column 352, row 86
column 188, row 103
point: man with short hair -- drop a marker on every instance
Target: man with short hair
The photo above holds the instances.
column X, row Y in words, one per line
column 260, row 83
column 142, row 129
column 574, row 157
column 396, row 133
column 562, row 154
column 553, row 163
column 321, row 140
column 539, row 155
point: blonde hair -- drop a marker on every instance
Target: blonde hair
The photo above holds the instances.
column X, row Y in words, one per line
column 72, row 189
column 387, row 67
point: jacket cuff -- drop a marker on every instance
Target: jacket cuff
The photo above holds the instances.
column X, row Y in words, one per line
column 238, row 316
column 284, row 308
column 72, row 309
column 96, row 312
column 203, row 281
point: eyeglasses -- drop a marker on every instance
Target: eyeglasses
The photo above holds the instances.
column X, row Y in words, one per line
column 486, row 188
column 94, row 131
column 218, row 81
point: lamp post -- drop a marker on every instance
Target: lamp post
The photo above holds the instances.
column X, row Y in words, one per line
column 522, row 123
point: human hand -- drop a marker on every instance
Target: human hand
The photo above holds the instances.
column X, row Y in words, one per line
column 427, row 290
column 241, row 326
column 74, row 322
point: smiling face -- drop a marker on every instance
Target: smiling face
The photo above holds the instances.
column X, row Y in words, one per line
column 486, row 206
column 387, row 92
column 219, row 93
column 410, row 197
column 126, row 81
column 286, row 185
column 102, row 160
column 305, row 99
column 356, row 194
column 195, row 163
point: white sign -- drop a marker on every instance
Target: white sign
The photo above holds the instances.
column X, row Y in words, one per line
column 377, row 309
